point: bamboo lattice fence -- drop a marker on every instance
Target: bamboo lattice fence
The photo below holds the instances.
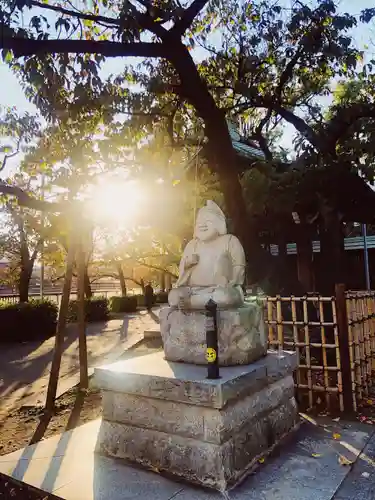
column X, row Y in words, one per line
column 334, row 338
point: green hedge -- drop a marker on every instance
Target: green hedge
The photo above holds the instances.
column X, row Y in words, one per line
column 162, row 298
column 96, row 309
column 34, row 320
column 131, row 302
column 124, row 304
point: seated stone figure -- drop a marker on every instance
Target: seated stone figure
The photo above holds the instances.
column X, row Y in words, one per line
column 212, row 265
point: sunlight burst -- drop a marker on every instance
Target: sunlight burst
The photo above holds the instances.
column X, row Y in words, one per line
column 118, row 203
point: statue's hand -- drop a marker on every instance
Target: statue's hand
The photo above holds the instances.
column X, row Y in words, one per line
column 192, row 261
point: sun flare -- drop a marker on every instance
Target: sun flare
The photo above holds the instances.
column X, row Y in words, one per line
column 117, row 203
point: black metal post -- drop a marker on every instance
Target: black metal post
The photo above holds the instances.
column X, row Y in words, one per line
column 212, row 349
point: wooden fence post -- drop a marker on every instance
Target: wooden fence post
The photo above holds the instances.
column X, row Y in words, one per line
column 343, row 334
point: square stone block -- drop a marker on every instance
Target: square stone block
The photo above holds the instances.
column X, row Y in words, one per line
column 241, row 335
column 152, row 376
column 196, row 422
column 218, row 466
column 166, row 416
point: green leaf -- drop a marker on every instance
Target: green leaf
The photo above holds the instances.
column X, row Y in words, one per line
column 7, row 56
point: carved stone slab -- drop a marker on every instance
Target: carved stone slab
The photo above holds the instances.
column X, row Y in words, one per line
column 241, row 335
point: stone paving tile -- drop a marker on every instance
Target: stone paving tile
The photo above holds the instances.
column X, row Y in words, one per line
column 189, row 493
column 283, row 492
column 309, row 464
column 75, row 440
column 109, row 479
column 360, row 482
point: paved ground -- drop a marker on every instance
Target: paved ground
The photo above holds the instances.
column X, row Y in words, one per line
column 315, row 465
column 24, row 368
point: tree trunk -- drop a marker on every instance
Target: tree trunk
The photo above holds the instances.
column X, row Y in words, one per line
column 82, row 343
column 162, row 281
column 305, row 257
column 60, row 330
column 87, row 284
column 122, row 279
column 332, row 268
column 24, row 283
column 224, row 160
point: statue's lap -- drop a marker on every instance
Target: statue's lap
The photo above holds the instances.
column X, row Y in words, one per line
column 198, row 297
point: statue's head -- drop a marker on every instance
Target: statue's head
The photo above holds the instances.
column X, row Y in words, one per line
column 210, row 222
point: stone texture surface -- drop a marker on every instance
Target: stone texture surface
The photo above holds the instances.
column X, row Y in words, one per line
column 241, row 335
column 199, row 422
column 152, row 376
column 217, row 466
column 160, row 421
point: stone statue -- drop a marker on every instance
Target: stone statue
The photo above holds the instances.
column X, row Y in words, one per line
column 212, row 265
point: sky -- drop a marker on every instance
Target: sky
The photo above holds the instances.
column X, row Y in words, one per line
column 12, row 94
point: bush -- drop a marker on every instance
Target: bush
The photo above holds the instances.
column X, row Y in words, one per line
column 124, row 304
column 34, row 320
column 96, row 309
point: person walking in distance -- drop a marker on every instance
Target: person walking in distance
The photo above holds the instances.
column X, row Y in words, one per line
column 149, row 296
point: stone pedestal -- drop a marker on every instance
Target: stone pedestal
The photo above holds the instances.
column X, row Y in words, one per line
column 241, row 335
column 168, row 417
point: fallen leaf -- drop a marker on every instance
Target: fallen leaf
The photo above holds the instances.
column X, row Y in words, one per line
column 336, row 436
column 365, row 474
column 316, row 455
column 336, row 419
column 261, row 460
column 370, row 402
column 344, row 461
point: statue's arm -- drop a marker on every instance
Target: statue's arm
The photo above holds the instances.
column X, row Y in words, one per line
column 237, row 254
column 185, row 264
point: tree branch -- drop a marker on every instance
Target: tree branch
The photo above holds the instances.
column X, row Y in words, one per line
column 156, row 268
column 9, row 156
column 300, row 125
column 27, row 47
column 260, row 137
column 288, row 72
column 28, row 201
column 269, row 103
column 344, row 118
column 188, row 17
column 37, row 249
column 78, row 15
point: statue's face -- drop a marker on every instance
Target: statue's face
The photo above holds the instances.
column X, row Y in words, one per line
column 206, row 227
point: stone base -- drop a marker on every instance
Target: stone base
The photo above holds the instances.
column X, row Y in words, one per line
column 241, row 335
column 169, row 418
